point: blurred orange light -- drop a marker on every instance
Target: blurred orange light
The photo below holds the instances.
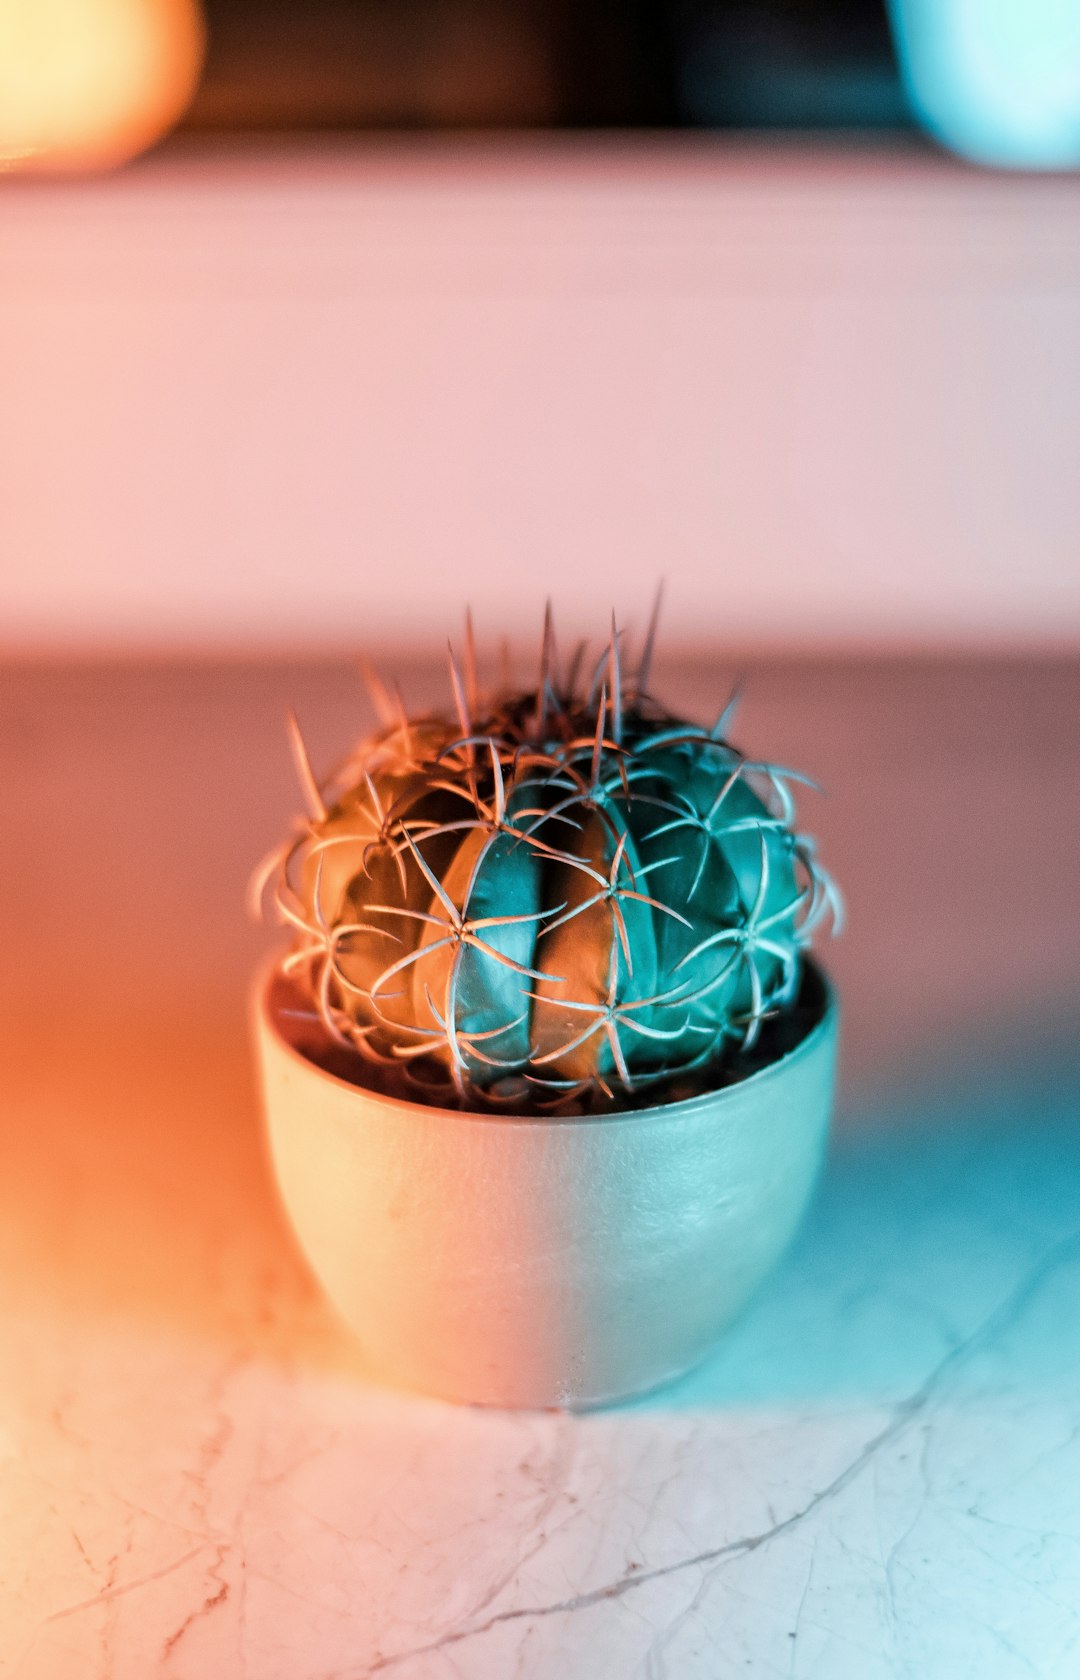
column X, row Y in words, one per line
column 86, row 84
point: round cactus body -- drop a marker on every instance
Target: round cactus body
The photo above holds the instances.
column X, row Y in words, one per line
column 555, row 900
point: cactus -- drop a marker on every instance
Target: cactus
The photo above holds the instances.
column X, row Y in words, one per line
column 560, row 899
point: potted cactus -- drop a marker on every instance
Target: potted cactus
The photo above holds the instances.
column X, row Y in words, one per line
column 546, row 1068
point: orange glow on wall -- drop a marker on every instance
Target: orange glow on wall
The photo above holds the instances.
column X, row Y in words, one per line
column 86, row 84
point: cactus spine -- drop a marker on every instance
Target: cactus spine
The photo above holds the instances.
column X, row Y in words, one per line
column 564, row 898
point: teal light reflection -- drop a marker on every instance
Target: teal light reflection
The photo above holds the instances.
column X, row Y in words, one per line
column 941, row 1204
column 996, row 80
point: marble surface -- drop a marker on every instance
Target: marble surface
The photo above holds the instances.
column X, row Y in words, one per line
column 877, row 1474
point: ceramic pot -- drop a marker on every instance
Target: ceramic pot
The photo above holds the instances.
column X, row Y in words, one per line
column 552, row 1261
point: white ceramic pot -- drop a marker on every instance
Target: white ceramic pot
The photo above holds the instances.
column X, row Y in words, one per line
column 551, row 1261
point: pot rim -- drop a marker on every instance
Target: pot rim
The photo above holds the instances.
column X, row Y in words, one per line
column 685, row 1108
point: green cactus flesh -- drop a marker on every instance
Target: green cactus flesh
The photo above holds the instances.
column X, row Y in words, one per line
column 553, row 900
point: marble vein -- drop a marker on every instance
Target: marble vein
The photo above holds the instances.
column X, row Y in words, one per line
column 120, row 1588
column 1061, row 1254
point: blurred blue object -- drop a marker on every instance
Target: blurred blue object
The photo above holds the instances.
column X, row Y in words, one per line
column 788, row 64
column 996, row 80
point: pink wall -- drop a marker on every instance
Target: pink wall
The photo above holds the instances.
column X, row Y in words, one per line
column 329, row 395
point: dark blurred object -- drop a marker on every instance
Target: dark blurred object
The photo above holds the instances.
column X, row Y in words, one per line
column 345, row 64
column 789, row 64
column 317, row 64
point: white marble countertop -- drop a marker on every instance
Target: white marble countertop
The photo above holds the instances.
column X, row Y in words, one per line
column 877, row 1475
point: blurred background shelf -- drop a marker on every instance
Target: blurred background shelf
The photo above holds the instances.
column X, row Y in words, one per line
column 322, row 391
